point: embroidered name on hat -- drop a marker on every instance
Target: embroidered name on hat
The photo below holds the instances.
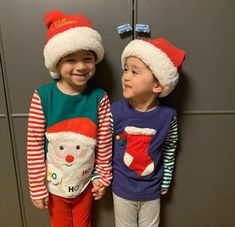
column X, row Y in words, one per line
column 68, row 34
column 63, row 22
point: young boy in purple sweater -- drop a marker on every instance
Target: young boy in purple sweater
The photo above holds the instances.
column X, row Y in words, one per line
column 145, row 131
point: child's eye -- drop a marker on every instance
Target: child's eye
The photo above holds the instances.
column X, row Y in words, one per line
column 70, row 60
column 134, row 72
column 88, row 58
column 125, row 70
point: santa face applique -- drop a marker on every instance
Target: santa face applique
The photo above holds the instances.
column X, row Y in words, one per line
column 70, row 160
column 136, row 155
column 69, row 165
column 67, row 153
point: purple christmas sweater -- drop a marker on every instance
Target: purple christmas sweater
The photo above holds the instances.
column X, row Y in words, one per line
column 144, row 150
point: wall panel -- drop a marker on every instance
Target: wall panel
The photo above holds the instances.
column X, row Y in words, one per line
column 205, row 29
column 23, row 42
column 203, row 186
column 9, row 205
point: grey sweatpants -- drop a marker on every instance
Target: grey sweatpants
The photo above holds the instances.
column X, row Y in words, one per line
column 136, row 213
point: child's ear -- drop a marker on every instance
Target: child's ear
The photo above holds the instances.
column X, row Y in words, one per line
column 157, row 88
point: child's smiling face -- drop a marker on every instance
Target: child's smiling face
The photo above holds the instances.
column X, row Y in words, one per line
column 76, row 69
column 138, row 80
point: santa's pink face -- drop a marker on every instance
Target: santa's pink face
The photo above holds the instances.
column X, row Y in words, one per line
column 67, row 152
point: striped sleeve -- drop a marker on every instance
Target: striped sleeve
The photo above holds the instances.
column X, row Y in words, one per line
column 35, row 149
column 111, row 121
column 169, row 148
column 103, row 162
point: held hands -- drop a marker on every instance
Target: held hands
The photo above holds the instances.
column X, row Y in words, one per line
column 41, row 203
column 98, row 189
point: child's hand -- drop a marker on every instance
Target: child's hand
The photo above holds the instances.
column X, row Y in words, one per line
column 41, row 203
column 98, row 189
column 164, row 192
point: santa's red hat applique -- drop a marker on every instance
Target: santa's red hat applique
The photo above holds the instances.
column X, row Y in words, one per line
column 73, row 129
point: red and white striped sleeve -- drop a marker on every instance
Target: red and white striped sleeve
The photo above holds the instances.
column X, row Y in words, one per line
column 35, row 149
column 103, row 163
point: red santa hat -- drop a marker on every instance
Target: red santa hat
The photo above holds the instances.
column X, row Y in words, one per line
column 161, row 57
column 67, row 34
column 74, row 129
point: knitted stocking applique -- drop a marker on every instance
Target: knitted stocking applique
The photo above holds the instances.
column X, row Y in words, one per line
column 136, row 156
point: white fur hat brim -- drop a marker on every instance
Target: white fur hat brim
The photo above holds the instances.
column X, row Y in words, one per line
column 140, row 131
column 70, row 137
column 159, row 63
column 70, row 41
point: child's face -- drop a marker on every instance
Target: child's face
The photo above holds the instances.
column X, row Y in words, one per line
column 76, row 69
column 138, row 82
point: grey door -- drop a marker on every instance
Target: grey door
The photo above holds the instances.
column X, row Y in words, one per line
column 10, row 212
column 203, row 188
column 23, row 34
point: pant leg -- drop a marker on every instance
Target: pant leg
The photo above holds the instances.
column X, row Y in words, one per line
column 149, row 213
column 60, row 212
column 81, row 209
column 71, row 212
column 125, row 212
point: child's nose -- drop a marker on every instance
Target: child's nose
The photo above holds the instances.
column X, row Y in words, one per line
column 80, row 65
column 126, row 76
